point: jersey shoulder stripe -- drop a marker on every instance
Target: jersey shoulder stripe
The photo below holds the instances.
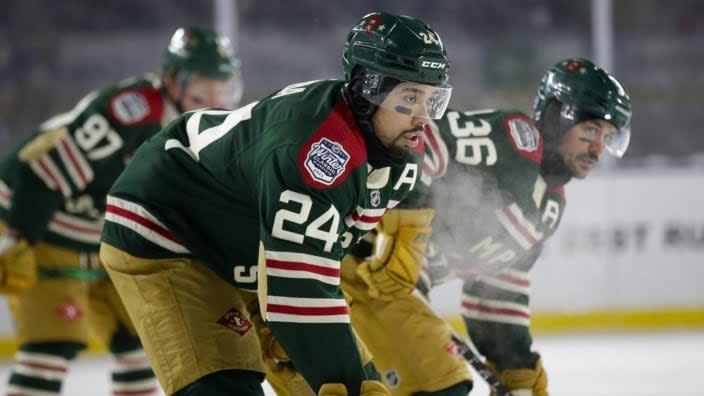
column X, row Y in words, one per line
column 336, row 149
column 138, row 219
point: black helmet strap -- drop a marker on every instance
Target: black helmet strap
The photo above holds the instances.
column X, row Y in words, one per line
column 553, row 127
column 378, row 156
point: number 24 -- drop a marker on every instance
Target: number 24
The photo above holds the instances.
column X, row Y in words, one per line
column 314, row 229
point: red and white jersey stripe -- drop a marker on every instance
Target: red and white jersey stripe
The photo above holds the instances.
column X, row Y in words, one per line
column 307, row 310
column 302, row 266
column 509, row 280
column 364, row 218
column 49, row 172
column 436, row 155
column 134, row 360
column 75, row 164
column 71, row 168
column 76, row 228
column 138, row 219
column 40, row 365
column 146, row 387
column 495, row 311
column 518, row 226
column 5, row 195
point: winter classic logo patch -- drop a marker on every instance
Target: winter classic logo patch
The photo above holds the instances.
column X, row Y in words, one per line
column 130, row 107
column 326, row 161
column 524, row 135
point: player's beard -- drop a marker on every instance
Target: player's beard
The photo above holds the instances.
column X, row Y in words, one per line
column 400, row 153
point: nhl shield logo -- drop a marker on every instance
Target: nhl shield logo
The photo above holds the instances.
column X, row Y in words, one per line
column 375, row 198
column 392, row 378
column 326, row 161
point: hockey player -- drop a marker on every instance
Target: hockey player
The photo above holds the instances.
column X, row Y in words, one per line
column 498, row 187
column 227, row 215
column 52, row 204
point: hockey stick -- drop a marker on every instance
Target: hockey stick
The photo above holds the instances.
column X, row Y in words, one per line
column 470, row 355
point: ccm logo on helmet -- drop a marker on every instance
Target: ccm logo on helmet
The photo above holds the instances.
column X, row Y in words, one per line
column 434, row 65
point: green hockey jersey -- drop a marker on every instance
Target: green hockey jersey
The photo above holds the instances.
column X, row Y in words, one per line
column 53, row 185
column 289, row 171
column 495, row 212
column 482, row 176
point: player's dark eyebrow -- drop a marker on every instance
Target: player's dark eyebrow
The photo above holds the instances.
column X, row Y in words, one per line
column 593, row 123
column 413, row 90
column 601, row 125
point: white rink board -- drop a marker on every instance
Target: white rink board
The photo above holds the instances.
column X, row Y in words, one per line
column 629, row 240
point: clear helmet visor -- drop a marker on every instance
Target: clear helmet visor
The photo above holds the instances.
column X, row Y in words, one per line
column 617, row 143
column 203, row 92
column 414, row 99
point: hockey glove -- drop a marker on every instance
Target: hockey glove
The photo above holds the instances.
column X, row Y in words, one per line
column 369, row 388
column 523, row 381
column 401, row 243
column 18, row 267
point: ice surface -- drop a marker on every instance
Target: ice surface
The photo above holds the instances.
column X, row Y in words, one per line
column 633, row 364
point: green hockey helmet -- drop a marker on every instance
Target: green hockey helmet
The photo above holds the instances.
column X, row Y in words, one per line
column 194, row 51
column 200, row 51
column 387, row 47
column 585, row 92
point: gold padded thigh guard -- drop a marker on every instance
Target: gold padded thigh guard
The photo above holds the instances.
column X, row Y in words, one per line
column 53, row 310
column 191, row 321
column 66, row 309
column 411, row 346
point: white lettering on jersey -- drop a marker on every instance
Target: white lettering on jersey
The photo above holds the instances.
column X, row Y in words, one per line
column 409, row 176
column 551, row 213
column 539, row 190
column 96, row 129
column 493, row 252
column 293, row 89
column 241, row 277
column 378, row 178
column 302, row 205
column 471, row 139
column 198, row 140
